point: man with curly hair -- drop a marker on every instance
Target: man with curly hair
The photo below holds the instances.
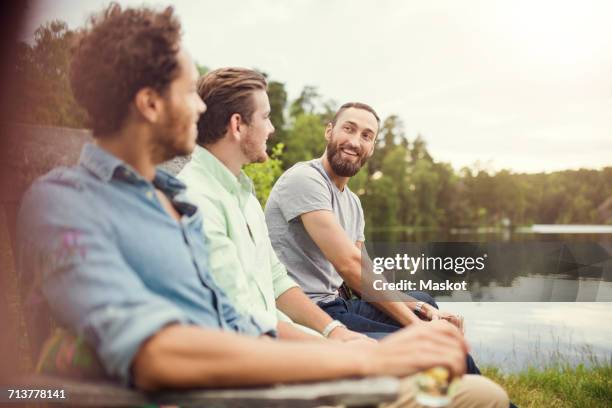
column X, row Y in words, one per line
column 125, row 263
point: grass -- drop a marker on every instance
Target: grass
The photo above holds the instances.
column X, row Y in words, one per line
column 559, row 386
column 554, row 372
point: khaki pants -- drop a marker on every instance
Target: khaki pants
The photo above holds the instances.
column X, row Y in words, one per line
column 474, row 391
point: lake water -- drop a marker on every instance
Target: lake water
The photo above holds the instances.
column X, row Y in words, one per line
column 513, row 336
column 572, row 317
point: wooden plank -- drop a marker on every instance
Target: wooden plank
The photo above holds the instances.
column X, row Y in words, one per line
column 350, row 392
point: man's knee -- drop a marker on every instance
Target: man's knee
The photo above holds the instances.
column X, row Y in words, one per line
column 478, row 391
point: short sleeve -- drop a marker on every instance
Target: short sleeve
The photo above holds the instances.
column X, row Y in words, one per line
column 360, row 221
column 303, row 190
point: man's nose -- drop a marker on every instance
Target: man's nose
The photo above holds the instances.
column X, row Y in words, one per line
column 353, row 141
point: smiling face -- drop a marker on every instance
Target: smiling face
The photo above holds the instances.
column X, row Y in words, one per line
column 260, row 128
column 350, row 141
column 177, row 132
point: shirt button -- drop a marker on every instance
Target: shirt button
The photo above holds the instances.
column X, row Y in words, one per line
column 149, row 195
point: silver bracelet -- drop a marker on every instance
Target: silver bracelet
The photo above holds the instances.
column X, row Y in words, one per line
column 330, row 327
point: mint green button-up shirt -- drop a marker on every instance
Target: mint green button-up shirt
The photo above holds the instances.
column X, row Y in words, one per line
column 242, row 260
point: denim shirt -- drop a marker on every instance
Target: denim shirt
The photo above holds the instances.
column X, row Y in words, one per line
column 112, row 264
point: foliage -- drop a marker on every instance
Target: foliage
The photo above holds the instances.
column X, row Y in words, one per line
column 264, row 175
column 41, row 89
column 202, row 69
column 402, row 186
column 305, row 139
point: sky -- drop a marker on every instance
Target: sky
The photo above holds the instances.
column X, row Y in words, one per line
column 519, row 85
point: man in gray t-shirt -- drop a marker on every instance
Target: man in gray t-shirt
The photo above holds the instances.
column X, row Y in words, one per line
column 303, row 188
column 316, row 226
column 316, row 222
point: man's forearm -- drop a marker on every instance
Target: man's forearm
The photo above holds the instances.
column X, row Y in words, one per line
column 397, row 310
column 189, row 357
column 287, row 331
column 295, row 304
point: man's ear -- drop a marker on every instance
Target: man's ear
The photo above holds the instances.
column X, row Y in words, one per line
column 373, row 146
column 149, row 104
column 372, row 151
column 236, row 127
column 328, row 131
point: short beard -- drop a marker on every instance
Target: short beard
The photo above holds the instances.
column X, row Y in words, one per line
column 250, row 150
column 169, row 139
column 340, row 167
column 167, row 149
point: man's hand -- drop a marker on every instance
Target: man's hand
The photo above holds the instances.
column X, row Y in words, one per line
column 419, row 347
column 343, row 334
column 431, row 313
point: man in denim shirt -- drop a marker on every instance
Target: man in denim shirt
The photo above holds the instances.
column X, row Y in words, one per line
column 147, row 269
column 120, row 254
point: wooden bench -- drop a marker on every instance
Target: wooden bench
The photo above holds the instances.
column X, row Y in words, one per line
column 34, row 150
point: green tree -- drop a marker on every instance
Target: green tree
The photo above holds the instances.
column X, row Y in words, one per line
column 264, row 175
column 202, row 69
column 380, row 203
column 305, row 140
column 391, row 131
column 396, row 168
column 306, row 103
column 42, row 93
column 278, row 101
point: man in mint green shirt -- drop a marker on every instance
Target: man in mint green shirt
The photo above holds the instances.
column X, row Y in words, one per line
column 231, row 133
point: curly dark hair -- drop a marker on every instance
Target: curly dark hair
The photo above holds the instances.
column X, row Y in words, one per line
column 226, row 91
column 122, row 52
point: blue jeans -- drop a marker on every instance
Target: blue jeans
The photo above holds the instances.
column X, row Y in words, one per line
column 360, row 316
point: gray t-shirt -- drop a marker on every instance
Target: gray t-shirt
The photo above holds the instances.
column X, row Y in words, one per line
column 303, row 188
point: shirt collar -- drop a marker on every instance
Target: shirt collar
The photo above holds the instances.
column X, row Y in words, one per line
column 99, row 162
column 106, row 166
column 167, row 183
column 213, row 167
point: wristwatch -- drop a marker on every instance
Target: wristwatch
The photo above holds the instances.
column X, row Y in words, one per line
column 330, row 327
column 418, row 307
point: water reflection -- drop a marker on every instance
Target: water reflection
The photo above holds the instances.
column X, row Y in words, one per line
column 519, row 267
column 537, row 287
column 514, row 336
column 518, row 334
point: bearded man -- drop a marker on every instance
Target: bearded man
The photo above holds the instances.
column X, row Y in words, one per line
column 316, row 225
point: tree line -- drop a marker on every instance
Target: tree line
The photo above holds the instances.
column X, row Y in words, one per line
column 401, row 185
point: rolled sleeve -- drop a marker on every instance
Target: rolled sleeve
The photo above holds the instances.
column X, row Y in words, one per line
column 120, row 332
column 86, row 281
